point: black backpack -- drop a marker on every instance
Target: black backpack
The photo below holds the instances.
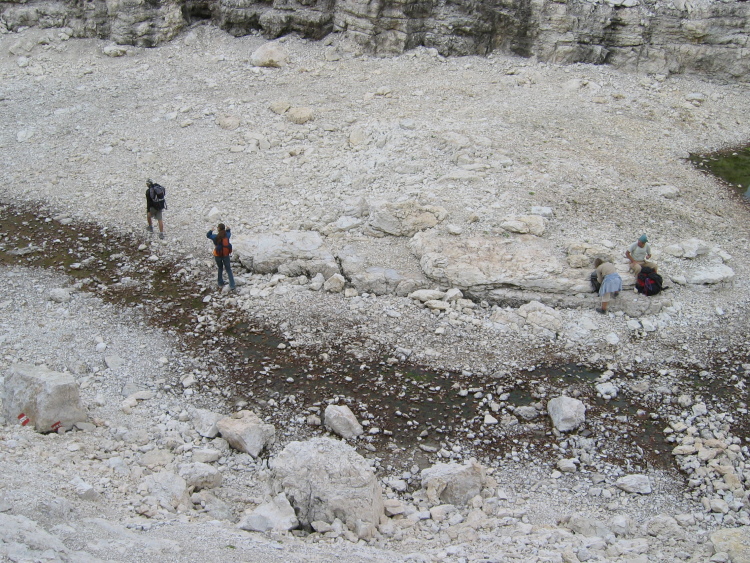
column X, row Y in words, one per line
column 157, row 193
column 648, row 282
column 595, row 285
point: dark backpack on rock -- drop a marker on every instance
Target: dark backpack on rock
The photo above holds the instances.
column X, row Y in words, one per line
column 595, row 285
column 157, row 193
column 648, row 282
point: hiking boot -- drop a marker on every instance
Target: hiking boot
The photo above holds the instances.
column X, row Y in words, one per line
column 161, row 236
column 600, row 310
column 150, row 229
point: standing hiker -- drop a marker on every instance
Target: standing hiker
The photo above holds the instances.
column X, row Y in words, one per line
column 155, row 204
column 222, row 252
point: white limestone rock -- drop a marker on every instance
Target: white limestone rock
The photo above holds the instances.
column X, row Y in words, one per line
column 335, row 284
column 425, row 295
column 532, row 224
column 168, row 488
column 270, row 54
column 634, row 484
column 325, row 479
column 451, row 483
column 709, row 275
column 481, row 265
column 275, row 515
column 302, row 252
column 735, row 542
column 206, row 455
column 566, row 413
column 200, row 475
column 340, row 420
column 60, row 295
column 541, row 316
column 204, row 422
column 246, row 432
column 48, row 399
column 403, row 219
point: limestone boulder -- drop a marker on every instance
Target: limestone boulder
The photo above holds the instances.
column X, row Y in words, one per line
column 46, row 399
column 167, row 488
column 200, row 475
column 634, row 484
column 325, row 479
column 532, row 224
column 733, row 541
column 709, row 275
column 275, row 515
column 246, row 432
column 340, row 420
column 479, row 265
column 301, row 252
column 589, row 527
column 453, row 483
column 541, row 317
column 566, row 413
column 270, row 55
column 402, row 219
column 204, row 422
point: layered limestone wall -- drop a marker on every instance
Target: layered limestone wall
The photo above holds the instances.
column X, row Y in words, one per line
column 676, row 36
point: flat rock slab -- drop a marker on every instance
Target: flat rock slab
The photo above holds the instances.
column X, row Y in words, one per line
column 481, row 264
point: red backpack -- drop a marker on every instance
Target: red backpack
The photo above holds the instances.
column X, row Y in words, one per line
column 222, row 246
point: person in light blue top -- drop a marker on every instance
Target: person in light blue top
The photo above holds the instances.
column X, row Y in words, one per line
column 222, row 252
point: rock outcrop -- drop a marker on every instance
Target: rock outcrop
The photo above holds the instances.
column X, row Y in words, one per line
column 699, row 36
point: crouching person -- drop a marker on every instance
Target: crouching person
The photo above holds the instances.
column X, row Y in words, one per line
column 611, row 283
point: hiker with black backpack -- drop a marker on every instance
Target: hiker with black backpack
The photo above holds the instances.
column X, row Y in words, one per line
column 222, row 252
column 155, row 204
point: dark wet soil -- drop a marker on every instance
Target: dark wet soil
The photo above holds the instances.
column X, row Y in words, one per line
column 415, row 410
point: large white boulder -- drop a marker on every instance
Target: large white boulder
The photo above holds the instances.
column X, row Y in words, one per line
column 246, row 432
column 451, row 483
column 566, row 413
column 270, row 54
column 480, row 265
column 325, row 479
column 340, row 420
column 274, row 515
column 41, row 397
column 710, row 275
column 634, row 484
column 292, row 253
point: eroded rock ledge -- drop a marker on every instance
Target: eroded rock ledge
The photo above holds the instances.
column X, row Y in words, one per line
column 695, row 36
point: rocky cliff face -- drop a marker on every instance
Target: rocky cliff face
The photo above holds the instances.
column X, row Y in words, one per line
column 672, row 36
